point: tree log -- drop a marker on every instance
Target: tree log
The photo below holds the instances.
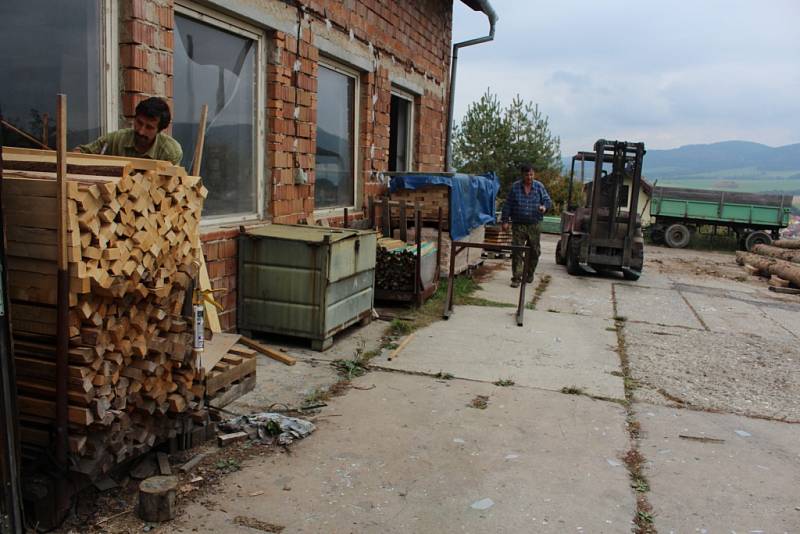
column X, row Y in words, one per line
column 157, row 499
column 792, row 255
column 787, row 243
column 771, row 266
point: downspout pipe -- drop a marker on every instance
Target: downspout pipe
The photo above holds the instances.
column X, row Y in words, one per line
column 486, row 8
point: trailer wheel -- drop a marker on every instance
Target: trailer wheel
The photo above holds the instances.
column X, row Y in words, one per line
column 757, row 238
column 560, row 259
column 677, row 236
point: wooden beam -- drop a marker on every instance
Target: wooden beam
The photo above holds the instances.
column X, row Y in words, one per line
column 274, row 354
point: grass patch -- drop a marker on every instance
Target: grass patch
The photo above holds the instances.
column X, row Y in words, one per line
column 504, row 382
column 443, row 376
column 349, row 369
column 572, row 390
column 399, row 327
column 541, row 287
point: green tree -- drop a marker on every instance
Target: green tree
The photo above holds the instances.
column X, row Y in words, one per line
column 496, row 138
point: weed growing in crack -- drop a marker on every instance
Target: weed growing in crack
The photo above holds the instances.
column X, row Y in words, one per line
column 504, row 382
column 443, row 376
column 572, row 390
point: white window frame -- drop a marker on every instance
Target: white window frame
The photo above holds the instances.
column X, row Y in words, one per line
column 233, row 25
column 109, row 62
column 336, row 66
column 399, row 93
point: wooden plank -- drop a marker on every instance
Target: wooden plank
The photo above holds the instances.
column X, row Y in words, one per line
column 274, row 354
column 216, row 348
column 402, row 345
column 229, row 439
column 140, row 164
column 47, row 409
column 28, row 187
column 212, row 318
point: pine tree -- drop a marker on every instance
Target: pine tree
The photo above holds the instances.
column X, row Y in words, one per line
column 499, row 139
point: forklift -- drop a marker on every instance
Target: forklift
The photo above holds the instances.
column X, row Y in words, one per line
column 605, row 234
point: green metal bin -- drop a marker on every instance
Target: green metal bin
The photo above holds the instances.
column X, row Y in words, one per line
column 305, row 281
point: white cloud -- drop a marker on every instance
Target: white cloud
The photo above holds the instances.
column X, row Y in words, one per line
column 668, row 74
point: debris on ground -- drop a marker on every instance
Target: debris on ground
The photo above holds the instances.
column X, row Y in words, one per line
column 483, row 504
column 257, row 525
column 267, row 426
column 480, row 402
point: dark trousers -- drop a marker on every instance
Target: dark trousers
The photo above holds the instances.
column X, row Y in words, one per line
column 525, row 235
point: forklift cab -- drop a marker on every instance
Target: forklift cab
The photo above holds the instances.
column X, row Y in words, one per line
column 604, row 231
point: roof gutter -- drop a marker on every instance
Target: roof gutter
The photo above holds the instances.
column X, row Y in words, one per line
column 477, row 5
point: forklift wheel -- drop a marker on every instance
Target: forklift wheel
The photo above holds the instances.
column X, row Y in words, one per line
column 560, row 260
column 573, row 266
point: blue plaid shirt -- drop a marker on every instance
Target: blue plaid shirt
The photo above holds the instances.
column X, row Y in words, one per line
column 524, row 209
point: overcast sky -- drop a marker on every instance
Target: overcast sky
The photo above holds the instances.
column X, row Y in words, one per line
column 666, row 73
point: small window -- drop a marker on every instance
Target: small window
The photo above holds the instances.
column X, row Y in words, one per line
column 401, row 123
column 335, row 184
column 217, row 63
column 50, row 47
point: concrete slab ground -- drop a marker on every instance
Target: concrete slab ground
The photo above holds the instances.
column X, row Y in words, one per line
column 497, row 286
column 654, row 306
column 551, row 351
column 747, row 483
column 409, row 455
column 736, row 316
column 292, row 385
column 737, row 373
column 581, row 295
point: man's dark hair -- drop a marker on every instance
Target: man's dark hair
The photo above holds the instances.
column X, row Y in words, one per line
column 525, row 167
column 155, row 108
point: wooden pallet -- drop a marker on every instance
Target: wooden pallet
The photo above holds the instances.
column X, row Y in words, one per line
column 233, row 376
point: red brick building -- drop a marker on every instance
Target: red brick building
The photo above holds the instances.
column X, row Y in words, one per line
column 310, row 101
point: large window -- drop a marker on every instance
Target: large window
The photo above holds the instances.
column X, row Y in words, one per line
column 217, row 63
column 401, row 124
column 336, row 134
column 49, row 47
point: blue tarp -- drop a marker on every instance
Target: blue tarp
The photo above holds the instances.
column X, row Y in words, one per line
column 472, row 198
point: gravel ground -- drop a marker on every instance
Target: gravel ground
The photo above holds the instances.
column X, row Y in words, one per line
column 741, row 374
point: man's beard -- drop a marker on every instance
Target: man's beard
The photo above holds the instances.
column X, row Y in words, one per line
column 140, row 140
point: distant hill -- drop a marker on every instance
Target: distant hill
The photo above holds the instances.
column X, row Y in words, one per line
column 733, row 165
column 717, row 158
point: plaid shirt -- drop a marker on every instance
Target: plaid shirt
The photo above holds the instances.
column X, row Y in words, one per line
column 524, row 209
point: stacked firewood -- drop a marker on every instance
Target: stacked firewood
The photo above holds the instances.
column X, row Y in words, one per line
column 780, row 261
column 133, row 249
column 395, row 266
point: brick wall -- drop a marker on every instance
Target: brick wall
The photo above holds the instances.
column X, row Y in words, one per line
column 409, row 40
column 220, row 250
column 145, row 51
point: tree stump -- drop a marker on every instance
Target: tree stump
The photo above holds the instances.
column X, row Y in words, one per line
column 157, row 499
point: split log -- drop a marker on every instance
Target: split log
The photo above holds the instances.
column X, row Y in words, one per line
column 133, row 245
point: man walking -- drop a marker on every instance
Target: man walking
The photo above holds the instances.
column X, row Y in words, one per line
column 524, row 208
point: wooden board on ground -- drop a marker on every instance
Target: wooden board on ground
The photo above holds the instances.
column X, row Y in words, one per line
column 272, row 353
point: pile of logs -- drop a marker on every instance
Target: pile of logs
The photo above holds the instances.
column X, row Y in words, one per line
column 395, row 267
column 780, row 261
column 133, row 249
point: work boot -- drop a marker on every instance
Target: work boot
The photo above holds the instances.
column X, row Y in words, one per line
column 529, row 280
column 514, row 283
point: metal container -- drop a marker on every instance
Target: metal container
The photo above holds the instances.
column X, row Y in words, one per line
column 305, row 281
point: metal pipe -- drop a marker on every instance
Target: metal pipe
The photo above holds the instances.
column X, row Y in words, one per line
column 477, row 5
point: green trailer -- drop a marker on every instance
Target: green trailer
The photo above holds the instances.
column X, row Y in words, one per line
column 678, row 212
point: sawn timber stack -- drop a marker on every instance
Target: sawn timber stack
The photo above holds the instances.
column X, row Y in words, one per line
column 133, row 247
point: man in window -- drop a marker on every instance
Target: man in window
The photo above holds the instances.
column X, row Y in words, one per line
column 524, row 208
column 145, row 140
